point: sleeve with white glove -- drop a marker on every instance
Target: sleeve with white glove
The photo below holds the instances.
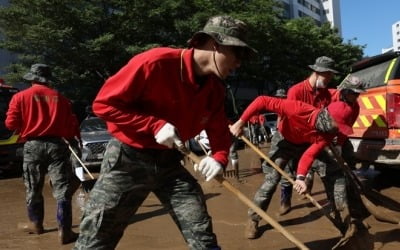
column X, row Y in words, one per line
column 168, row 136
column 208, row 167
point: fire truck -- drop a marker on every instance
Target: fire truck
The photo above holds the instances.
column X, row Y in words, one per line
column 376, row 137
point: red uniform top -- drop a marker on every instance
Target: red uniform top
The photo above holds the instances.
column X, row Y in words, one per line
column 319, row 98
column 160, row 86
column 261, row 119
column 41, row 111
column 303, row 91
column 298, row 128
column 254, row 119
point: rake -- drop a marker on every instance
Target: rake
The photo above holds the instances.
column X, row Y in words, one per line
column 227, row 173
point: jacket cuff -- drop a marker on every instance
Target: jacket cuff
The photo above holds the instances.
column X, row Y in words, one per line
column 300, row 177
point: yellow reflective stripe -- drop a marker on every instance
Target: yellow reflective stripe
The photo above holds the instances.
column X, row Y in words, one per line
column 367, row 103
column 365, row 121
column 13, row 139
column 381, row 101
column 378, row 120
column 355, row 125
column 389, row 70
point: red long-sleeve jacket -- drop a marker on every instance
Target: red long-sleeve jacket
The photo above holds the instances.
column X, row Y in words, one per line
column 160, row 86
column 297, row 128
column 41, row 111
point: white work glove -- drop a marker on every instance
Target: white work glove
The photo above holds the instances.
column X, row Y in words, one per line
column 208, row 167
column 168, row 136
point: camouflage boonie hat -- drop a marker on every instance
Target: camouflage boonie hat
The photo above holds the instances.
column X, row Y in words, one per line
column 325, row 122
column 352, row 83
column 39, row 73
column 280, row 93
column 225, row 30
column 323, row 64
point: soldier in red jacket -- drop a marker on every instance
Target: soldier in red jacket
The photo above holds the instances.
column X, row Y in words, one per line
column 44, row 117
column 307, row 131
column 314, row 91
column 159, row 99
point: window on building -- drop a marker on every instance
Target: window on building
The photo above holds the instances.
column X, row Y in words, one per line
column 286, row 11
column 315, row 9
column 326, row 11
column 302, row 14
column 302, row 2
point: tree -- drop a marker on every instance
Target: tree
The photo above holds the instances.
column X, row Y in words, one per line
column 87, row 41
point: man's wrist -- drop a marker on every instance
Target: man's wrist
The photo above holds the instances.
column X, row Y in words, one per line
column 300, row 177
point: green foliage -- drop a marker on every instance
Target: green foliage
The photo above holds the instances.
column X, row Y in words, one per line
column 87, row 41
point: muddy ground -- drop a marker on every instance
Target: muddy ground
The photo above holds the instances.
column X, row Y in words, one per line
column 152, row 228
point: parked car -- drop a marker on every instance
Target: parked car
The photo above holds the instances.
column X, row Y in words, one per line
column 95, row 138
column 270, row 122
column 376, row 137
column 11, row 145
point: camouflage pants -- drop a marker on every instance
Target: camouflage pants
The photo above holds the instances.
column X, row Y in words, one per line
column 49, row 156
column 282, row 152
column 127, row 177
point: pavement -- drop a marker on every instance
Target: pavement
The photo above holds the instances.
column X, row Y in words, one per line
column 152, row 228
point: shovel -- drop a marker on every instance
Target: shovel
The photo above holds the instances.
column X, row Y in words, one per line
column 376, row 203
column 87, row 185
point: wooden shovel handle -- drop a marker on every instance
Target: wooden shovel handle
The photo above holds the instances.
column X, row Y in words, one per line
column 77, row 158
column 251, row 205
column 277, row 168
column 336, row 223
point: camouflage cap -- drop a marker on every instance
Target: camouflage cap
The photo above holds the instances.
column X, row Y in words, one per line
column 324, row 122
column 323, row 64
column 225, row 30
column 280, row 93
column 352, row 83
column 39, row 73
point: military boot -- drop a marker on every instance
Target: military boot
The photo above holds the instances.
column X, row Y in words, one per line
column 36, row 215
column 64, row 219
column 251, row 231
column 286, row 197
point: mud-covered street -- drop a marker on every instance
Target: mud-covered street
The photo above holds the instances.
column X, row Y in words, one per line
column 152, row 228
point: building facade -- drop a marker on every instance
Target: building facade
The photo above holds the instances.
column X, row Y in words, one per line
column 321, row 11
column 395, row 38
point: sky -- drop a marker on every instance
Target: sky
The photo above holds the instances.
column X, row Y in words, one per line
column 370, row 22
